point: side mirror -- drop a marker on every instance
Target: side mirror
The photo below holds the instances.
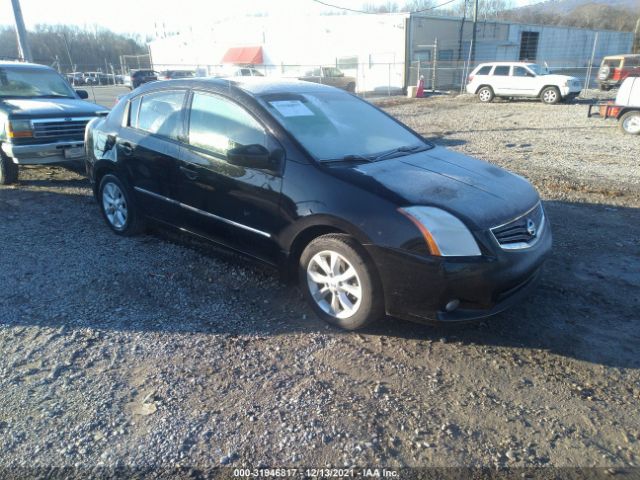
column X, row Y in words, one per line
column 82, row 94
column 254, row 156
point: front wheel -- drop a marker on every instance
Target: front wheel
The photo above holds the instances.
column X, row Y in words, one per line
column 630, row 123
column 8, row 170
column 550, row 95
column 340, row 282
column 118, row 207
column 486, row 95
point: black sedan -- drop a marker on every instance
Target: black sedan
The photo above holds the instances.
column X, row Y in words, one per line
column 370, row 217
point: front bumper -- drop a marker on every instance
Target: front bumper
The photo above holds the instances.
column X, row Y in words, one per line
column 418, row 288
column 570, row 91
column 43, row 153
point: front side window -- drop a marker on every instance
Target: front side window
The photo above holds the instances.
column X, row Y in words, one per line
column 218, row 125
column 501, row 70
column 333, row 125
column 36, row 82
column 160, row 113
column 521, row 72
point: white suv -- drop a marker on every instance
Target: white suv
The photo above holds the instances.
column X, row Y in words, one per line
column 521, row 79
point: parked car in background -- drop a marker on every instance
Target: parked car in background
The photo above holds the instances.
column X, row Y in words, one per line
column 175, row 74
column 625, row 108
column 331, row 76
column 42, row 119
column 615, row 69
column 75, row 78
column 99, row 78
column 369, row 216
column 521, row 79
column 139, row 77
column 239, row 71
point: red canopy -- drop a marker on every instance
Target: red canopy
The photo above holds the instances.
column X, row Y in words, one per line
column 243, row 55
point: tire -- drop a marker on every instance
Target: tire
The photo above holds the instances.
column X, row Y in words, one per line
column 118, row 207
column 486, row 95
column 8, row 170
column 351, row 303
column 351, row 87
column 550, row 95
column 630, row 122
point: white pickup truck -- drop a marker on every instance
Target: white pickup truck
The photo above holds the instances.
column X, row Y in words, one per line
column 625, row 108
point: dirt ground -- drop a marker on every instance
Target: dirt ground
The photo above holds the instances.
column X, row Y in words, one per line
column 161, row 352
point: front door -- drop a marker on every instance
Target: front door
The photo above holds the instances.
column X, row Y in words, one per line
column 233, row 205
column 523, row 81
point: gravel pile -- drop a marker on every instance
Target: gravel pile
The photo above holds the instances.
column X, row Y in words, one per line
column 163, row 352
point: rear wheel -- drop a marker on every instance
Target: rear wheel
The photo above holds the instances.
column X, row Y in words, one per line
column 118, row 207
column 550, row 95
column 630, row 123
column 8, row 170
column 485, row 94
column 340, row 282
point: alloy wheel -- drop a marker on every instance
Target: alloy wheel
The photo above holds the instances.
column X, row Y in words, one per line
column 115, row 206
column 334, row 284
column 550, row 96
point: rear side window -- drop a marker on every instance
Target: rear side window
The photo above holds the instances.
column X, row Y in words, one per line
column 218, row 125
column 484, row 70
column 159, row 113
column 501, row 70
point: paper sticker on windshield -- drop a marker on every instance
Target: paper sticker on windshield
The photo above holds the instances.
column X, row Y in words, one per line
column 291, row 108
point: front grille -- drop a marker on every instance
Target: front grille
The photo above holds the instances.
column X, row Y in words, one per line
column 54, row 129
column 522, row 232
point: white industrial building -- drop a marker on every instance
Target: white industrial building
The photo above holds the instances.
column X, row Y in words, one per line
column 384, row 52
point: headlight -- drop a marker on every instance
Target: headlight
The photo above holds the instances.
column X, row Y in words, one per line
column 444, row 234
column 19, row 129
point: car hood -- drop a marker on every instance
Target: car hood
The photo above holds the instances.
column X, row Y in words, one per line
column 477, row 192
column 559, row 78
column 49, row 107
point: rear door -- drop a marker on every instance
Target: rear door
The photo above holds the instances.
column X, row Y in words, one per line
column 500, row 80
column 148, row 148
column 233, row 205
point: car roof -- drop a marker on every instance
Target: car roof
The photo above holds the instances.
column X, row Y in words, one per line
column 617, row 57
column 507, row 63
column 25, row 65
column 252, row 85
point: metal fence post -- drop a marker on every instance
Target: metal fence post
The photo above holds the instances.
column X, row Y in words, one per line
column 593, row 54
column 435, row 65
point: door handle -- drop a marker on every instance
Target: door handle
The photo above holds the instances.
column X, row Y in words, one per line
column 190, row 174
column 127, row 149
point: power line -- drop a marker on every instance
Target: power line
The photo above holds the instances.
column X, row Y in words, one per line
column 383, row 13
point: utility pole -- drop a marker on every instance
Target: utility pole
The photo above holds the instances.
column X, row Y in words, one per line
column 475, row 29
column 23, row 44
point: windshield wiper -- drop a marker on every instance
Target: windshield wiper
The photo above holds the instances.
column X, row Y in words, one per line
column 51, row 95
column 350, row 158
column 404, row 150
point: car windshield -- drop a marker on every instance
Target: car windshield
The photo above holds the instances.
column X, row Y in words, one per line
column 338, row 126
column 24, row 82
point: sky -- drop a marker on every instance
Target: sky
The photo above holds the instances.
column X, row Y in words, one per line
column 145, row 17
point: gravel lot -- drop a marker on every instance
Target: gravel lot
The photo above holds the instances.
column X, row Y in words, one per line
column 160, row 351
